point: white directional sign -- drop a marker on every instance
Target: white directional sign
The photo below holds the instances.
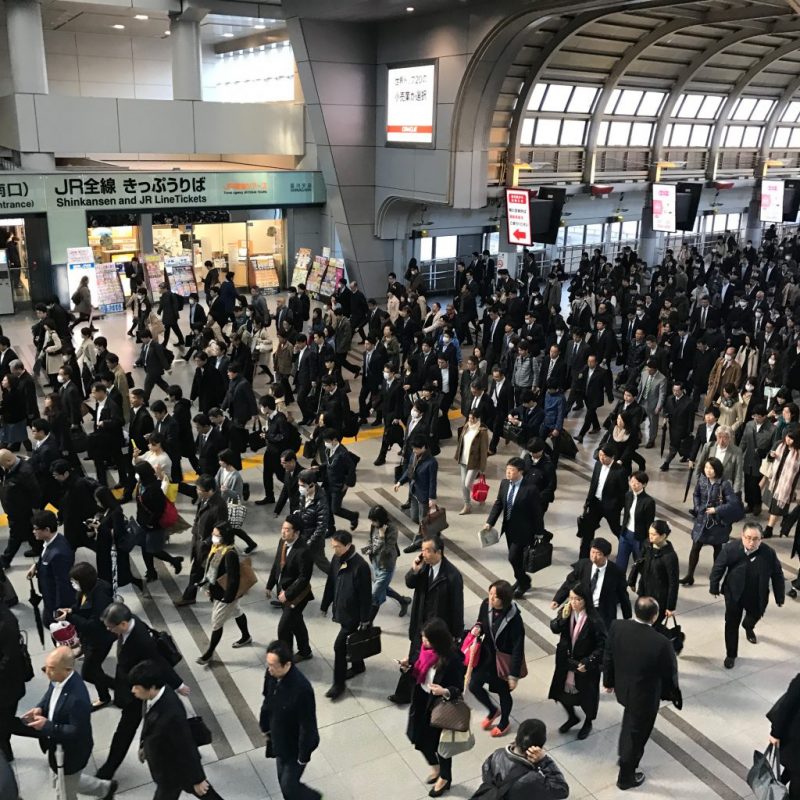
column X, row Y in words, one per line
column 518, row 216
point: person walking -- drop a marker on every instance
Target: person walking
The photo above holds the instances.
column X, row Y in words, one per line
column 783, row 483
column 20, row 494
column 421, row 473
column 169, row 307
column 291, row 574
column 784, row 733
column 338, row 475
column 640, row 667
column 134, row 645
column 638, row 514
column 524, row 767
column 521, row 509
column 679, row 411
column 743, row 572
column 501, row 662
column 223, row 562
column 579, row 657
column 604, row 580
column 288, row 720
column 382, row 552
column 12, row 676
column 606, row 497
column 716, row 508
column 657, row 571
column 62, row 720
column 729, row 456
column 53, row 566
column 315, row 514
column 755, row 444
column 166, row 743
column 155, row 363
column 348, row 591
column 471, row 455
column 438, row 671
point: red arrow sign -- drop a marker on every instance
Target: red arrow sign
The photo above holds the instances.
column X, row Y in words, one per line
column 519, row 234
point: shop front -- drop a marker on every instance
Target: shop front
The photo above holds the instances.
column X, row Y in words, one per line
column 238, row 221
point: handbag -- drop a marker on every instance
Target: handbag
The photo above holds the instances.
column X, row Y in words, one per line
column 255, row 439
column 471, row 644
column 247, row 577
column 450, row 715
column 64, row 634
column 675, row 634
column 125, row 540
column 480, row 489
column 512, row 432
column 78, row 440
column 363, row 644
column 539, row 555
column 503, row 665
column 171, row 492
column 200, row 731
column 169, row 516
column 488, row 538
column 767, row 467
column 762, row 776
column 166, row 647
column 237, row 513
column 453, row 743
column 434, row 522
column 310, row 449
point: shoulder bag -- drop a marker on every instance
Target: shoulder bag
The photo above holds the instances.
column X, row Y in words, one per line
column 451, row 715
column 762, row 777
column 434, row 522
column 166, row 647
column 363, row 644
column 247, row 577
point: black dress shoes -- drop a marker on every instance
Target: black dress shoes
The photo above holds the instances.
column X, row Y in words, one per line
column 638, row 780
column 751, row 635
column 729, row 662
column 414, row 546
column 335, row 691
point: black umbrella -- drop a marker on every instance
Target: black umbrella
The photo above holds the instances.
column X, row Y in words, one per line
column 663, row 437
column 688, row 483
column 34, row 599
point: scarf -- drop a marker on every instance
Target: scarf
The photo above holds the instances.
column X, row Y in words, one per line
column 425, row 660
column 785, row 478
column 576, row 623
column 215, row 556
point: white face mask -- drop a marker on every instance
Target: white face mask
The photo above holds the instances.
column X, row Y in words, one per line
column 749, row 387
column 75, row 585
column 728, row 357
column 415, row 415
column 61, row 379
column 387, row 375
column 303, row 490
column 216, row 539
column 772, row 362
column 193, row 302
column 446, row 339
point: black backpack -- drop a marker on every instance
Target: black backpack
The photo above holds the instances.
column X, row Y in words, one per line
column 293, row 440
column 179, row 301
column 353, row 460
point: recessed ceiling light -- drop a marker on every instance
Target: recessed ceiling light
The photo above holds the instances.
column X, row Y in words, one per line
column 118, row 27
column 260, row 27
column 409, row 9
column 228, row 35
column 167, row 33
column 141, row 16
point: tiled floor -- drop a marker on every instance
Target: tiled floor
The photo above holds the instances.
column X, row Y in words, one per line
column 701, row 752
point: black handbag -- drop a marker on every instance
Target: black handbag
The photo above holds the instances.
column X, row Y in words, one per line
column 255, row 439
column 539, row 555
column 78, row 440
column 675, row 634
column 514, row 433
column 166, row 647
column 200, row 731
column 363, row 644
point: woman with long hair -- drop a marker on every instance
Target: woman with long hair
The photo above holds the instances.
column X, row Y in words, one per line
column 223, row 562
column 502, row 656
column 472, row 452
column 783, row 484
column 626, row 436
column 382, row 551
column 747, row 355
column 579, row 658
column 109, row 529
column 437, row 673
column 656, row 572
column 716, row 508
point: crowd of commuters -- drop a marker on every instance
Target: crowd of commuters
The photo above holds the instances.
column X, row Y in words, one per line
column 709, row 334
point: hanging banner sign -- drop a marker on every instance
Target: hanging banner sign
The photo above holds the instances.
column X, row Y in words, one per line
column 518, row 216
column 772, row 201
column 664, row 218
column 410, row 104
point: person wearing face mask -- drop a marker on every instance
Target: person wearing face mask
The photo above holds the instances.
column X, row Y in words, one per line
column 92, row 597
column 471, row 455
column 725, row 371
column 770, row 377
column 372, row 369
column 390, row 407
column 745, row 569
column 656, row 573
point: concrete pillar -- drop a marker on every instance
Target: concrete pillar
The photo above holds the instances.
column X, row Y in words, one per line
column 187, row 62
column 649, row 240
column 26, row 46
column 754, row 227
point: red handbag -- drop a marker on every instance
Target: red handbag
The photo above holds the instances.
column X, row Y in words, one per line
column 471, row 649
column 480, row 489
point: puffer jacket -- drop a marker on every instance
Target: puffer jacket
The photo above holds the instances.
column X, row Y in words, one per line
column 542, row 781
column 316, row 517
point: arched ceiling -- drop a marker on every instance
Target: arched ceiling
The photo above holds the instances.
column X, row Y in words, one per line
column 724, row 47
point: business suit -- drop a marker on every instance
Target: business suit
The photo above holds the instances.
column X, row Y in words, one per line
column 52, row 577
column 208, row 446
column 12, row 676
column 41, row 459
column 289, row 717
column 154, row 361
column 679, row 412
column 747, row 577
column 555, row 369
column 640, row 666
column 633, row 532
column 682, row 356
column 521, row 510
column 105, row 442
column 732, row 466
column 71, row 400
column 592, row 387
column 70, row 727
column 608, row 506
column 306, row 369
column 785, row 719
column 371, row 378
column 290, row 490
column 291, row 574
column 208, row 387
column 421, row 473
column 276, row 437
column 501, row 395
column 613, row 591
column 338, row 465
column 138, row 646
column 651, row 397
column 169, row 749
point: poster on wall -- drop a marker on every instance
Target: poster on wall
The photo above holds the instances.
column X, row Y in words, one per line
column 316, row 274
column 411, row 104
column 153, row 274
column 331, row 280
column 518, row 216
column 664, row 218
column 302, row 264
column 265, row 274
column 180, row 270
column 80, row 263
column 109, row 298
column 772, row 201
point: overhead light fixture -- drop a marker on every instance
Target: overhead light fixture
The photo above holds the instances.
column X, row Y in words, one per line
column 167, row 33
column 260, row 27
column 410, row 9
column 228, row 35
column 118, row 27
column 141, row 16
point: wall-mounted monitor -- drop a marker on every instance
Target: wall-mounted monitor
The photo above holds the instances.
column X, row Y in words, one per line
column 664, row 207
column 411, row 104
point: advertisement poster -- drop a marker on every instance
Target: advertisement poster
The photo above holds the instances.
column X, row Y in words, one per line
column 518, row 216
column 302, row 264
column 153, row 274
column 182, row 280
column 80, row 262
column 772, row 201
column 109, row 298
column 335, row 271
column 316, row 274
column 410, row 104
column 664, row 207
column 265, row 275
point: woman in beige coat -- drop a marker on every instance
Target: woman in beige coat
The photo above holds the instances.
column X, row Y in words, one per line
column 51, row 351
column 472, row 451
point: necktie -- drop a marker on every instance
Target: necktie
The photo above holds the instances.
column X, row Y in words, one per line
column 595, row 577
column 703, row 318
column 283, row 556
column 550, row 367
column 646, row 389
column 574, row 351
column 144, row 354
column 512, row 493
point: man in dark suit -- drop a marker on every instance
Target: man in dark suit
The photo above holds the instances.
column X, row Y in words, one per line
column 679, row 411
column 603, row 343
column 291, row 574
column 371, row 377
column 376, row 320
column 706, row 432
column 501, row 394
column 167, row 427
column 349, row 590
column 602, row 579
column 7, row 355
column 141, row 425
column 438, row 589
column 640, row 666
column 306, row 370
column 290, row 491
column 276, row 436
column 390, row 407
column 289, row 721
column 747, row 567
column 12, row 674
column 208, row 386
column 605, row 497
column 209, row 443
column 62, row 719
column 224, row 427
column 493, row 332
column 521, row 509
column 554, row 366
column 682, row 355
column 239, row 402
column 637, row 517
column 20, row 494
column 166, row 741
column 134, row 645
column 480, row 403
column 338, row 471
column 592, row 385
column 703, row 317
column 155, row 363
column 421, row 473
column 71, row 395
column 52, row 568
column 359, row 310
column 540, row 471
column 45, row 452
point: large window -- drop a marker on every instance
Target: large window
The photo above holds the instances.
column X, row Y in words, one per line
column 257, row 75
column 558, row 115
column 693, row 118
column 788, row 134
column 640, row 107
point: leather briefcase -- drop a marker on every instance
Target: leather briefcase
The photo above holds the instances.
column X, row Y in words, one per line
column 363, row 644
column 434, row 522
column 539, row 555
